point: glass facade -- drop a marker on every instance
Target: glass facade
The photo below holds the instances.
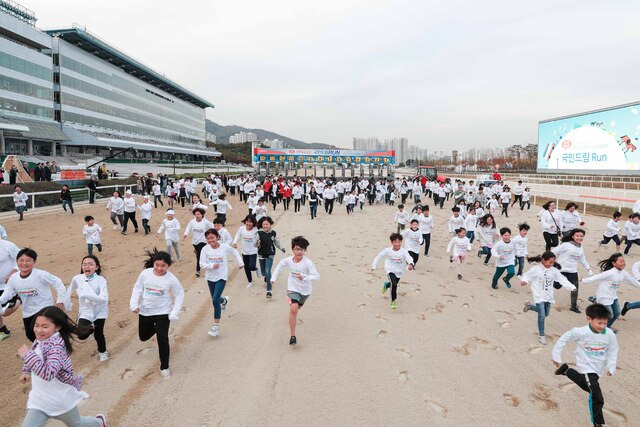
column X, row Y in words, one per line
column 25, row 88
column 25, row 67
column 14, row 106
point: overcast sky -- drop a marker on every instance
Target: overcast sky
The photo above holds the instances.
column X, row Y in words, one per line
column 445, row 74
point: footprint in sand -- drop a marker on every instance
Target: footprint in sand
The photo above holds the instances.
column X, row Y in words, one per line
column 402, row 294
column 438, row 408
column 371, row 280
column 437, row 309
column 566, row 386
column 505, row 324
column 363, row 305
column 422, row 316
column 403, row 352
column 417, row 290
column 403, row 376
column 143, row 351
column 450, row 295
column 365, row 294
column 541, row 396
column 465, row 305
column 511, row 399
column 471, row 321
column 506, row 313
column 384, row 319
column 382, row 333
column 535, row 350
column 128, row 373
column 122, row 324
column 617, row 416
column 474, row 343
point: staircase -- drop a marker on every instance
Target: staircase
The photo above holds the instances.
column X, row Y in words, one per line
column 9, row 162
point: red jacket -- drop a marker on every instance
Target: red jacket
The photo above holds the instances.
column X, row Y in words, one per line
column 267, row 187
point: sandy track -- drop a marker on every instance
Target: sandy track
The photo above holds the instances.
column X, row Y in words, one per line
column 454, row 352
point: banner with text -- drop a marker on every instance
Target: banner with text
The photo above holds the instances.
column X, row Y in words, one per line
column 355, row 157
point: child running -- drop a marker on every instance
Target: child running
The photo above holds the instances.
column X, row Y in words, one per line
column 596, row 350
column 612, row 230
column 8, row 254
column 33, row 287
column 521, row 243
column 267, row 243
column 460, row 244
column 412, row 239
column 171, row 227
column 93, row 303
column 197, row 227
column 145, row 211
column 249, row 236
column 569, row 253
column 542, row 278
column 505, row 254
column 56, row 390
column 151, row 300
column 213, row 258
column 395, row 258
column 401, row 218
column 302, row 272
column 456, row 221
column 225, row 236
column 487, row 235
column 91, row 232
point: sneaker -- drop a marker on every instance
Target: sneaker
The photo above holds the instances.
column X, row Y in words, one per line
column 385, row 286
column 258, row 274
column 165, row 373
column 506, row 282
column 293, row 340
column 103, row 419
column 494, row 286
column 542, row 340
column 486, row 264
column 625, row 308
column 459, row 276
column 115, row 227
column 527, row 306
column 575, row 310
column 5, row 335
column 214, row 331
column 562, row 370
column 250, row 284
column 479, row 254
column 268, row 294
column 615, row 331
column 135, row 231
column 223, row 304
column 197, row 274
column 394, row 305
column 103, row 357
column 592, row 299
column 124, row 233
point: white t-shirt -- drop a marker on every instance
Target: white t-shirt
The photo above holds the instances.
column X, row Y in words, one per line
column 594, row 351
column 214, row 261
column 171, row 229
column 221, row 206
column 412, row 240
column 301, row 274
column 116, row 204
column 152, row 294
column 610, row 281
column 521, row 245
column 34, row 291
column 93, row 296
column 460, row 246
column 20, row 199
column 249, row 239
column 455, row 222
column 401, row 216
column 8, row 254
column 613, row 228
column 197, row 230
column 541, row 280
column 92, row 233
column 506, row 250
column 225, row 236
column 146, row 210
column 394, row 261
column 569, row 255
column 129, row 204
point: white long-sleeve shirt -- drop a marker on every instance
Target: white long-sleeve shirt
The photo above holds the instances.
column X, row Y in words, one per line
column 612, row 229
column 20, row 199
column 401, row 216
column 34, row 291
column 152, row 294
column 594, row 351
column 92, row 233
column 487, row 235
column 570, row 220
column 569, row 255
column 248, row 238
column 93, row 296
column 171, row 229
column 460, row 246
column 471, row 222
column 145, row 210
column 412, row 240
column 425, row 223
column 610, row 281
column 301, row 274
column 129, row 204
column 394, row 261
column 541, row 281
column 8, row 253
column 455, row 222
column 221, row 206
column 214, row 261
column 547, row 220
column 197, row 230
column 116, row 204
column 632, row 230
column 225, row 236
column 521, row 244
column 504, row 253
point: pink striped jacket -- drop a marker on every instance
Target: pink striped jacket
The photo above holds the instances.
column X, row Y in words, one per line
column 55, row 362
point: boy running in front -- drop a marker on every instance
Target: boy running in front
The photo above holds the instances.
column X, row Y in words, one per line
column 395, row 259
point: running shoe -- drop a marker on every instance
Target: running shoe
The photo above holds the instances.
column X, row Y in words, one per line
column 562, row 370
column 197, row 274
column 103, row 357
column 542, row 340
column 249, row 285
column 394, row 305
column 293, row 340
column 385, row 286
column 592, row 299
column 527, row 306
column 165, row 373
column 506, row 282
column 269, row 294
column 115, row 227
column 225, row 301
column 102, row 419
column 625, row 308
column 486, row 264
column 575, row 310
column 214, row 331
column 479, row 253
column 5, row 335
column 459, row 276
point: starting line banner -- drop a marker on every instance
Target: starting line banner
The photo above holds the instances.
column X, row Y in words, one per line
column 269, row 155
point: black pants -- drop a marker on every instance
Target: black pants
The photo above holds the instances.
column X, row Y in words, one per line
column 393, row 280
column 573, row 278
column 183, row 199
column 606, row 239
column 415, row 257
column 296, row 205
column 97, row 330
column 589, row 383
column 328, row 206
column 505, row 208
column 427, row 242
column 198, row 248
column 528, row 203
column 285, row 202
column 157, row 325
column 518, row 198
column 404, row 197
column 145, row 226
column 92, row 196
column 629, row 244
column 28, row 327
column 274, row 201
column 249, row 265
column 157, row 198
column 129, row 216
column 222, row 217
column 550, row 239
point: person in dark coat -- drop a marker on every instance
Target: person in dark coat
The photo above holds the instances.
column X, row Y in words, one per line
column 13, row 174
column 92, row 189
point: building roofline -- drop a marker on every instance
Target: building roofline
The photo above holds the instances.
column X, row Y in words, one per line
column 105, row 51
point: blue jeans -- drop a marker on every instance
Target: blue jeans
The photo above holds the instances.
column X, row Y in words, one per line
column 216, row 288
column 543, row 309
column 520, row 264
column 314, row 210
column 471, row 236
column 614, row 310
column 265, row 268
column 90, row 247
column 511, row 271
column 633, row 305
column 69, row 203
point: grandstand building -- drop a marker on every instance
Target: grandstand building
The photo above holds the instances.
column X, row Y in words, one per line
column 67, row 92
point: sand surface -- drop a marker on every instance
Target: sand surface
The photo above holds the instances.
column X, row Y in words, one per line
column 454, row 353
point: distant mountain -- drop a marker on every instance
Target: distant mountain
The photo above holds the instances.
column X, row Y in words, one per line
column 223, row 133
